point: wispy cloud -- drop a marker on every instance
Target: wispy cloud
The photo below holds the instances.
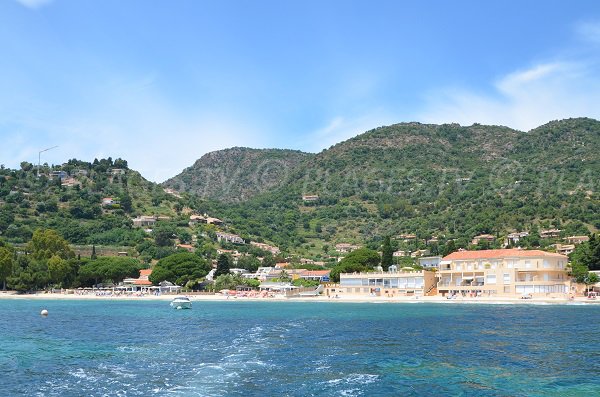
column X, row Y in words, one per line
column 523, row 99
column 135, row 122
column 340, row 128
column 589, row 31
column 34, row 4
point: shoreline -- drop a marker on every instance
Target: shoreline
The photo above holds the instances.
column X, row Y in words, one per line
column 11, row 295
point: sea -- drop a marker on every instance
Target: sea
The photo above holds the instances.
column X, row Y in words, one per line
column 253, row 348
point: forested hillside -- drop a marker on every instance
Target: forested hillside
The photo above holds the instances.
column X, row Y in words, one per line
column 443, row 181
column 237, row 174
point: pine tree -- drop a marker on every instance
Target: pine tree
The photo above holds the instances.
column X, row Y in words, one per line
column 223, row 265
column 387, row 256
column 93, row 256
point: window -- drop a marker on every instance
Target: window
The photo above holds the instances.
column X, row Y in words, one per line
column 546, row 263
column 527, row 264
column 490, row 279
column 506, row 278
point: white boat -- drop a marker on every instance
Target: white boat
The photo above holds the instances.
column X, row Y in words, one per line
column 181, row 302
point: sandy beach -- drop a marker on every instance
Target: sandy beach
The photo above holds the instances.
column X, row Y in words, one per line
column 340, row 299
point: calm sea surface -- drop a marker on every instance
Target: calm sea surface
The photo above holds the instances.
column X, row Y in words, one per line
column 238, row 348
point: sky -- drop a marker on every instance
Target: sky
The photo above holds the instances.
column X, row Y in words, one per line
column 162, row 82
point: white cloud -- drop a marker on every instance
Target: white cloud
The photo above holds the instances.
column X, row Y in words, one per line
column 132, row 121
column 523, row 99
column 34, row 4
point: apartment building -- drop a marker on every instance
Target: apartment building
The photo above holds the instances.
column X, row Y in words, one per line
column 504, row 272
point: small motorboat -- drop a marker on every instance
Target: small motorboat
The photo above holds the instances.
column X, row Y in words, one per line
column 181, row 302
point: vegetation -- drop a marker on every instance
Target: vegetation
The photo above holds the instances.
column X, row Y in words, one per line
column 232, row 281
column 360, row 260
column 223, row 265
column 108, row 269
column 237, row 174
column 586, row 257
column 387, row 256
column 445, row 181
column 182, row 268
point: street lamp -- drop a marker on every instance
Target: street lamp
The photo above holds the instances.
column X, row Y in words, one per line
column 40, row 157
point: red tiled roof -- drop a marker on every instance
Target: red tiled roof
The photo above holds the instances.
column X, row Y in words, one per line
column 499, row 253
column 145, row 272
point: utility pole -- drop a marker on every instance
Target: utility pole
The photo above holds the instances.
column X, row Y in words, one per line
column 40, row 158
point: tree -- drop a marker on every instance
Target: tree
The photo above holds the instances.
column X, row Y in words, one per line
column 108, row 268
column 180, row 269
column 126, row 202
column 46, row 243
column 387, row 257
column 93, row 256
column 360, row 260
column 249, row 263
column 163, row 235
column 7, row 259
column 58, row 269
column 223, row 265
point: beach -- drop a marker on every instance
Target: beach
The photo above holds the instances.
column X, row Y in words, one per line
column 348, row 298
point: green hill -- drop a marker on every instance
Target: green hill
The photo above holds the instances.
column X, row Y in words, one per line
column 237, row 174
column 445, row 181
column 71, row 199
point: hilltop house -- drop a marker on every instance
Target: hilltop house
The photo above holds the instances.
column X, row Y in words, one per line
column 514, row 238
column 400, row 254
column 577, row 239
column 483, row 237
column 230, row 238
column 266, row 247
column 69, row 182
column 109, row 201
column 419, row 253
column 550, row 233
column 345, row 247
column 144, row 220
column 504, row 272
column 310, row 198
column 58, row 174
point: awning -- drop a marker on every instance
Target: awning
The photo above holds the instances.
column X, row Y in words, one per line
column 467, row 278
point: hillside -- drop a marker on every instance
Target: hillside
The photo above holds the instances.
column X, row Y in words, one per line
column 443, row 181
column 88, row 203
column 237, row 174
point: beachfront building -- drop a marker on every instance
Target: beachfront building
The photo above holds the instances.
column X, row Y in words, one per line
column 430, row 262
column 321, row 276
column 392, row 283
column 504, row 272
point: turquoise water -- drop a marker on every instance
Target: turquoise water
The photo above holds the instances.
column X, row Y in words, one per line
column 236, row 348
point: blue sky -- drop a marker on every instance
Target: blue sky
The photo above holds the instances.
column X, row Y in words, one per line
column 160, row 83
